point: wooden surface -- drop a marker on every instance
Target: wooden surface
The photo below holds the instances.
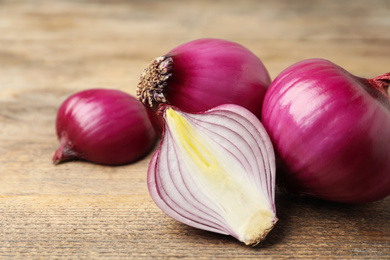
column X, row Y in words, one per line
column 52, row 49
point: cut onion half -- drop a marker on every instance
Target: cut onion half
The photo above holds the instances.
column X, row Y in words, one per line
column 215, row 171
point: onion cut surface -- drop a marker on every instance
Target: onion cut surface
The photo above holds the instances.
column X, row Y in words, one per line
column 215, row 171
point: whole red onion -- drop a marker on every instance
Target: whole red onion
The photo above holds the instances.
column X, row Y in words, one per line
column 103, row 126
column 331, row 132
column 202, row 74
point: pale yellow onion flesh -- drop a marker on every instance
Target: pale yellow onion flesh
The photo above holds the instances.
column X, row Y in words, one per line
column 216, row 171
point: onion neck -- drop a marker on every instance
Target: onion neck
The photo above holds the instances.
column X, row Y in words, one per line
column 382, row 84
column 150, row 89
column 64, row 152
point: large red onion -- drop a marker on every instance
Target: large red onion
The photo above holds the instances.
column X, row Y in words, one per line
column 331, row 132
column 215, row 170
column 202, row 74
column 104, row 126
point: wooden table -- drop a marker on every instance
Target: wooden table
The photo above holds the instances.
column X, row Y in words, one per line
column 52, row 49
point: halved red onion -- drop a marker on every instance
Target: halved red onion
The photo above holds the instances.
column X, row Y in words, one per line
column 202, row 74
column 215, row 171
column 331, row 131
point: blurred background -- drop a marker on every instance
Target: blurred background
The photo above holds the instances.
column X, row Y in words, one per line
column 67, row 45
column 50, row 49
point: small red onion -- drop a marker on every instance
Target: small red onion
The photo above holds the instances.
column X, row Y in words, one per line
column 103, row 126
column 215, row 170
column 331, row 132
column 202, row 74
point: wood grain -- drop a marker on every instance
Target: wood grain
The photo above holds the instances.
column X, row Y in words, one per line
column 51, row 49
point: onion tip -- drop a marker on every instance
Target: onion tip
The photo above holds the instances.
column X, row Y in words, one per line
column 63, row 154
column 382, row 83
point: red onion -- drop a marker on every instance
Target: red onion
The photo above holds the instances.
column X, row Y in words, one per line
column 202, row 74
column 331, row 132
column 215, row 170
column 103, row 126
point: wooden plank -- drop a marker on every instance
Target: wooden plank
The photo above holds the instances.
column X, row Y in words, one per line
column 51, row 49
column 132, row 226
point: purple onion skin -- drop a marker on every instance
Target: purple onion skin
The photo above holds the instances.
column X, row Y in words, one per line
column 208, row 72
column 331, row 132
column 103, row 126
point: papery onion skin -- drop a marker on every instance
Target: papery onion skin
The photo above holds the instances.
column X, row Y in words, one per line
column 331, row 132
column 104, row 126
column 175, row 187
column 202, row 74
